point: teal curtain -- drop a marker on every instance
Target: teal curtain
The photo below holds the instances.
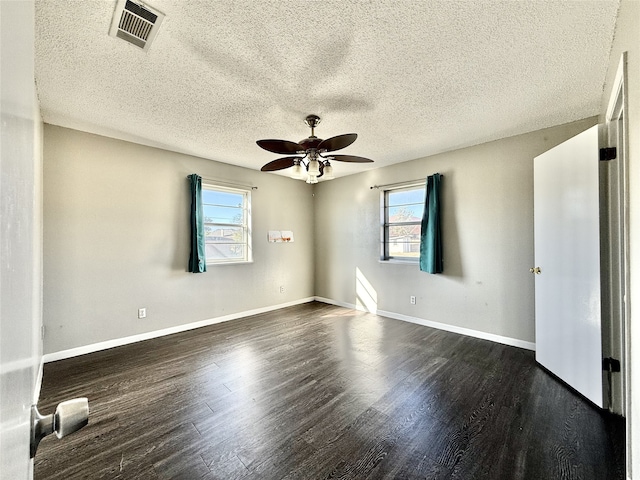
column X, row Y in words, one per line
column 430, row 232
column 197, row 263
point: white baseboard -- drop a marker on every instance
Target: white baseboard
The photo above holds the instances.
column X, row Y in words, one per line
column 330, row 301
column 514, row 342
column 96, row 347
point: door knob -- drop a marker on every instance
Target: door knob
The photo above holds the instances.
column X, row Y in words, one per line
column 535, row 270
column 69, row 417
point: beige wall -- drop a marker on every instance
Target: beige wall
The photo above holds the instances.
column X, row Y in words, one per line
column 627, row 39
column 487, row 221
column 116, row 238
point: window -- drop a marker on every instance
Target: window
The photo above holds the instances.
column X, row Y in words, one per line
column 402, row 209
column 227, row 224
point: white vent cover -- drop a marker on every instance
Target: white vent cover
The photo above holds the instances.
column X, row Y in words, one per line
column 135, row 23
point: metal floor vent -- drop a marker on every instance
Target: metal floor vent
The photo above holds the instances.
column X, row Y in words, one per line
column 135, row 23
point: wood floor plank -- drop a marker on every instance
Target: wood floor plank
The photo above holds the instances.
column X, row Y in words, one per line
column 316, row 391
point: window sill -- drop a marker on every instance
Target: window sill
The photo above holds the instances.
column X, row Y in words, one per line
column 400, row 262
column 219, row 264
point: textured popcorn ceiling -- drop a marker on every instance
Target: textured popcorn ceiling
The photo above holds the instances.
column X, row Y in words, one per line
column 411, row 78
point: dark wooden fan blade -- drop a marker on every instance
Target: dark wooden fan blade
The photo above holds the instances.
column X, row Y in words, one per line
column 280, row 164
column 336, row 143
column 280, row 146
column 349, row 158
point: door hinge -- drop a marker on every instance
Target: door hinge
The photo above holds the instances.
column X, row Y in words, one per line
column 611, row 364
column 607, row 154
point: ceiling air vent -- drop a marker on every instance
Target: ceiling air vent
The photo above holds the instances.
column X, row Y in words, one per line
column 135, row 23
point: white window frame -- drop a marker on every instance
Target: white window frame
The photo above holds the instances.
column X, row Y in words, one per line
column 385, row 255
column 246, row 225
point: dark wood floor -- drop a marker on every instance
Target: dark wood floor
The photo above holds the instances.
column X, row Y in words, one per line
column 317, row 392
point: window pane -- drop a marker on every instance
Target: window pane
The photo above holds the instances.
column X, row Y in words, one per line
column 223, row 234
column 404, row 241
column 413, row 252
column 229, row 199
column 214, row 214
column 405, row 213
column 217, row 251
column 404, row 247
column 404, row 205
column 404, row 233
column 403, row 197
column 227, row 219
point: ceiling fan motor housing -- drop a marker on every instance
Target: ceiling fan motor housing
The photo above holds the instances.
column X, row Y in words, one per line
column 311, row 142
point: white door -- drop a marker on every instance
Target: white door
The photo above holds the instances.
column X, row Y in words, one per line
column 567, row 252
column 20, row 235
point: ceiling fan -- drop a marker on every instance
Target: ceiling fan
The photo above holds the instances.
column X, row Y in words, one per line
column 312, row 150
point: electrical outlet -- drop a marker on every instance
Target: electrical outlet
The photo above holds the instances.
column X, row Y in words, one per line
column 412, row 299
column 281, row 288
column 142, row 313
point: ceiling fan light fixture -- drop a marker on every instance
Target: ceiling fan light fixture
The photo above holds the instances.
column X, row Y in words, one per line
column 296, row 171
column 314, row 168
column 312, row 179
column 328, row 171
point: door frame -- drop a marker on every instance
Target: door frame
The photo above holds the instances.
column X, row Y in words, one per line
column 618, row 135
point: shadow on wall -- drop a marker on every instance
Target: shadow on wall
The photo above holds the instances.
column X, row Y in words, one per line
column 450, row 232
column 182, row 230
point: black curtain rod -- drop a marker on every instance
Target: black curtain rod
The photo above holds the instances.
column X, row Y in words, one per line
column 225, row 183
column 408, row 183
